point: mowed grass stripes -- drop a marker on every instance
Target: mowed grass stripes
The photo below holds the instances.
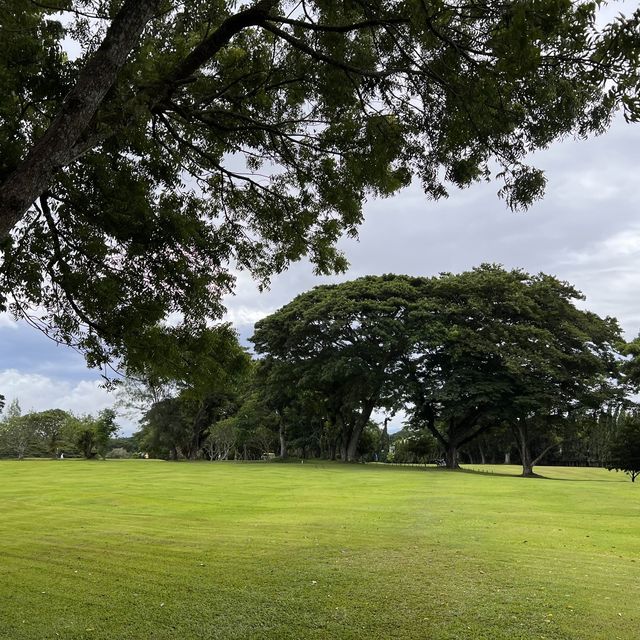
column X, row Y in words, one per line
column 150, row 549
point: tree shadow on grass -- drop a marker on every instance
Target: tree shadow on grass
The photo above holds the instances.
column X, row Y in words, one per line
column 481, row 472
column 537, row 476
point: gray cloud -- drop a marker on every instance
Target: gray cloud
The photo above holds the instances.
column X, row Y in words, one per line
column 586, row 231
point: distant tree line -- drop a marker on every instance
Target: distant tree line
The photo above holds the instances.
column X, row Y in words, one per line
column 488, row 365
column 55, row 433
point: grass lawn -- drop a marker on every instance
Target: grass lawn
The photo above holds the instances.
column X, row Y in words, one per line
column 153, row 550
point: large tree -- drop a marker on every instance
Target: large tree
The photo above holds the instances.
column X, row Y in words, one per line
column 91, row 434
column 502, row 345
column 344, row 344
column 49, row 428
column 188, row 138
column 200, row 375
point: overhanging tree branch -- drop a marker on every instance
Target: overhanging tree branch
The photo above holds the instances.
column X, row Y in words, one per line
column 52, row 151
column 344, row 28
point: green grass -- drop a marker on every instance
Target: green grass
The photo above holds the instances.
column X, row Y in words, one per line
column 147, row 549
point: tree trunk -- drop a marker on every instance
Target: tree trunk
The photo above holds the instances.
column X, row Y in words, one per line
column 57, row 147
column 507, row 457
column 358, row 427
column 283, row 441
column 352, row 447
column 527, row 469
column 345, row 436
column 523, row 447
column 451, row 456
column 483, row 460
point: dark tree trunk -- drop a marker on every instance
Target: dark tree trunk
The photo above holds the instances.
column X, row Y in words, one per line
column 528, row 461
column 523, row 448
column 356, row 431
column 57, row 147
column 450, row 449
column 451, row 456
column 525, row 453
column 346, row 428
column 352, row 447
column 527, row 469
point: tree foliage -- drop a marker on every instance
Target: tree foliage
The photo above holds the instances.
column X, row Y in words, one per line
column 343, row 345
column 625, row 448
column 188, row 138
column 461, row 353
column 505, row 345
column 17, row 432
column 92, row 435
column 50, row 428
column 201, row 376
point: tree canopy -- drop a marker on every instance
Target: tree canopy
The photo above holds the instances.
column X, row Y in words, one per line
column 344, row 344
column 190, row 138
column 461, row 353
column 625, row 448
column 503, row 345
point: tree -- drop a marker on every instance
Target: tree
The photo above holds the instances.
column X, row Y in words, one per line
column 191, row 137
column 221, row 440
column 17, row 432
column 202, row 374
column 180, row 426
column 49, row 428
column 280, row 401
column 370, row 445
column 504, row 345
column 343, row 344
column 624, row 454
column 264, row 438
column 85, row 436
column 92, row 434
column 409, row 446
column 105, row 429
column 164, row 428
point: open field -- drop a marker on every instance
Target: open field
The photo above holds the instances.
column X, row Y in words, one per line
column 148, row 549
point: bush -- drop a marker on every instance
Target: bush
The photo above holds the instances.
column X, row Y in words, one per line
column 118, row 452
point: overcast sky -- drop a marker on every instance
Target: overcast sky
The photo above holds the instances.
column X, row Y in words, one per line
column 586, row 231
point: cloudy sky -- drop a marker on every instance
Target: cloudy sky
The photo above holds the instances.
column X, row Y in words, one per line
column 586, row 231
